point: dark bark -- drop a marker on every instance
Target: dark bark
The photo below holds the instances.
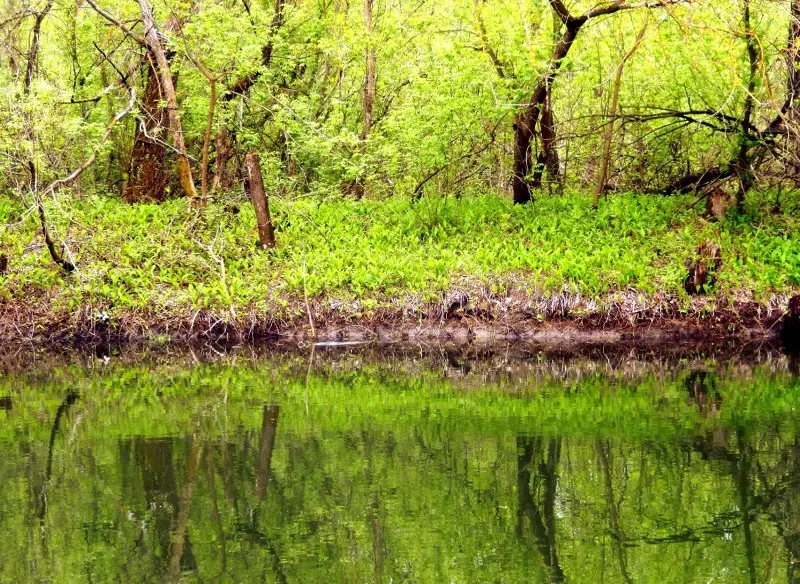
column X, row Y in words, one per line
column 33, row 52
column 56, row 256
column 790, row 324
column 148, row 173
column 702, row 272
column 792, row 121
column 254, row 187
column 161, row 62
column 266, row 444
column 243, row 84
column 222, row 147
column 525, row 125
column 744, row 167
column 538, row 112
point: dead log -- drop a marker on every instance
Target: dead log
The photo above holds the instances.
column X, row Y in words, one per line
column 702, row 272
column 254, row 187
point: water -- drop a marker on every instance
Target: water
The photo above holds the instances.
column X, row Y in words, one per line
column 421, row 467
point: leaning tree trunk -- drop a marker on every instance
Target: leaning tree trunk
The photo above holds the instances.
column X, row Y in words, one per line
column 539, row 113
column 167, row 88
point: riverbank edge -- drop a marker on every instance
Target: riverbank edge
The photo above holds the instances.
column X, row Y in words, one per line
column 458, row 318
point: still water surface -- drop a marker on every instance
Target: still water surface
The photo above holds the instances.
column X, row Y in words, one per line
column 353, row 468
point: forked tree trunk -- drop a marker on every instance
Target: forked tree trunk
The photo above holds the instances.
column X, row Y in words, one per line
column 254, row 187
column 168, row 88
column 605, row 161
column 148, row 173
column 538, row 111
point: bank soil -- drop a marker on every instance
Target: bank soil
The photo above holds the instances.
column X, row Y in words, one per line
column 460, row 317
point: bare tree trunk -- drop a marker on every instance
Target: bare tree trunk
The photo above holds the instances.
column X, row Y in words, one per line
column 207, row 141
column 148, row 175
column 369, row 81
column 222, row 152
column 526, row 122
column 744, row 167
column 602, row 176
column 254, row 186
column 33, row 52
column 538, row 111
column 165, row 77
column 793, row 87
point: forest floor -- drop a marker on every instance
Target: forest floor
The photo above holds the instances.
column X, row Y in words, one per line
column 457, row 269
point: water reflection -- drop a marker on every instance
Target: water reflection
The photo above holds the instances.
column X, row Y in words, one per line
column 298, row 489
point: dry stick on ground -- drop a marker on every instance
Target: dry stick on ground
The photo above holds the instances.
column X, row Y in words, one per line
column 254, row 186
column 612, row 116
column 167, row 86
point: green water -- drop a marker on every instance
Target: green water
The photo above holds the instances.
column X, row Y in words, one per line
column 419, row 468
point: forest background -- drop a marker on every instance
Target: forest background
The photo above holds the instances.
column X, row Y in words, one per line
column 566, row 158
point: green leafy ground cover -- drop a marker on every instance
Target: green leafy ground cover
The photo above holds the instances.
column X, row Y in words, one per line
column 158, row 259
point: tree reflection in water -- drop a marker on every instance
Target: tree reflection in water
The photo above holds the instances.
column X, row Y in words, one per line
column 300, row 489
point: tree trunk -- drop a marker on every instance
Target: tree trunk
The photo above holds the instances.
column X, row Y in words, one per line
column 168, row 88
column 369, row 81
column 793, row 88
column 539, row 110
column 744, row 167
column 33, row 52
column 148, row 175
column 547, row 160
column 602, row 177
column 222, row 148
column 254, row 186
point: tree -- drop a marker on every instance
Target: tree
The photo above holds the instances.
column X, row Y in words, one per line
column 538, row 112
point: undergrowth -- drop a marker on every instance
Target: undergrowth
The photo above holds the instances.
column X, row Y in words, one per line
column 159, row 258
